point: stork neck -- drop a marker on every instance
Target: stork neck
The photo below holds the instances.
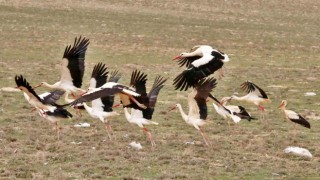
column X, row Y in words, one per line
column 243, row 98
column 52, row 86
column 183, row 114
column 67, row 99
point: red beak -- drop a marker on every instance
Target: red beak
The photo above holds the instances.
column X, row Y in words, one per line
column 177, row 57
column 172, row 108
column 36, row 86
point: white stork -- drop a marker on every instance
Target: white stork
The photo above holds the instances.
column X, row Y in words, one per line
column 197, row 105
column 294, row 117
column 44, row 103
column 55, row 116
column 236, row 113
column 202, row 61
column 72, row 68
column 140, row 116
column 102, row 107
column 255, row 95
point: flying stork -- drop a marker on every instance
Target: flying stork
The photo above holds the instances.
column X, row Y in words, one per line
column 72, row 68
column 102, row 107
column 202, row 61
column 44, row 103
column 255, row 95
column 138, row 115
column 197, row 99
column 236, row 113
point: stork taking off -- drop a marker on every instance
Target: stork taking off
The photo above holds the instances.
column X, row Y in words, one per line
column 102, row 107
column 201, row 62
column 255, row 95
column 236, row 113
column 45, row 102
column 197, row 105
column 294, row 117
column 72, row 68
column 140, row 116
column 110, row 88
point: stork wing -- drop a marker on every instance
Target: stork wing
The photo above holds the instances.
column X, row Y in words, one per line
column 114, row 76
column 153, row 93
column 51, row 97
column 73, row 62
column 297, row 118
column 99, row 75
column 21, row 81
column 138, row 81
column 187, row 60
column 191, row 76
column 95, row 94
column 250, row 87
column 203, row 89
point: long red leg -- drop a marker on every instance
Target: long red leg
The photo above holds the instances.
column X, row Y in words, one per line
column 204, row 138
column 145, row 130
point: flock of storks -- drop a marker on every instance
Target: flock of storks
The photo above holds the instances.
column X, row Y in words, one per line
column 200, row 63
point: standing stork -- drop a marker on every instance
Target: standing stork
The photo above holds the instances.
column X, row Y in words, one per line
column 197, row 99
column 255, row 95
column 201, row 62
column 102, row 107
column 140, row 116
column 72, row 68
column 294, row 117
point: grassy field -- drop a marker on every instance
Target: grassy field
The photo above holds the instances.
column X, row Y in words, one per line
column 272, row 43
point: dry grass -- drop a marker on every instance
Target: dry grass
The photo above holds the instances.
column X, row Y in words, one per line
column 272, row 43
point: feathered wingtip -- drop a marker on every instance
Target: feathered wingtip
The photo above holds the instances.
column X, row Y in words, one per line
column 138, row 76
column 99, row 70
column 159, row 82
column 181, row 83
column 210, row 83
column 79, row 47
column 21, row 81
column 114, row 76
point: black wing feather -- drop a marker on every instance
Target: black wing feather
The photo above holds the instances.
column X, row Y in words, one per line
column 204, row 87
column 52, row 97
column 250, row 87
column 21, row 81
column 76, row 56
column 191, row 76
column 100, row 74
column 302, row 121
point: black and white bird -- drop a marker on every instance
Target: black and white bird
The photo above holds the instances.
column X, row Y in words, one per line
column 72, row 68
column 45, row 103
column 55, row 117
column 202, row 61
column 293, row 116
column 140, row 116
column 255, row 95
column 236, row 113
column 197, row 99
column 102, row 107
column 127, row 95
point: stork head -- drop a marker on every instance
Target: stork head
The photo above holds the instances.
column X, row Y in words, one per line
column 283, row 104
column 194, row 52
column 174, row 107
column 225, row 100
